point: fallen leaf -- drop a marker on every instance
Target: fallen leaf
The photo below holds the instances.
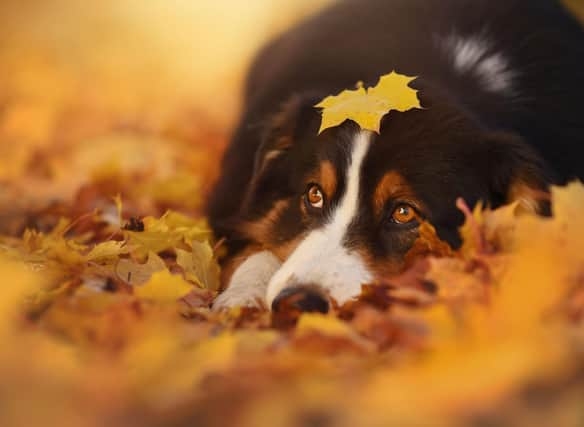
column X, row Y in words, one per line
column 136, row 273
column 167, row 232
column 106, row 251
column 200, row 265
column 163, row 287
column 324, row 324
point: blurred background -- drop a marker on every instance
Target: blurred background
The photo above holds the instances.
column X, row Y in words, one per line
column 132, row 53
column 94, row 89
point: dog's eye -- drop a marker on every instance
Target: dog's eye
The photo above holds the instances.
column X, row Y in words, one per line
column 403, row 214
column 314, row 197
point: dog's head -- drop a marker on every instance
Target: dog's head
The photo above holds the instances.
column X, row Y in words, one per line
column 343, row 208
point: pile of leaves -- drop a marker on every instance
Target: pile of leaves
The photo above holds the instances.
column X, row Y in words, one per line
column 109, row 269
column 106, row 318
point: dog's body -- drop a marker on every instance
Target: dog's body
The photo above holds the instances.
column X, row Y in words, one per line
column 501, row 83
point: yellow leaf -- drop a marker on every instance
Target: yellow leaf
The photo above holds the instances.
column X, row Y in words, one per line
column 366, row 107
column 499, row 225
column 325, row 324
column 190, row 229
column 163, row 287
column 66, row 252
column 137, row 274
column 568, row 203
column 106, row 250
column 199, row 265
column 167, row 232
column 547, row 261
column 39, row 247
column 471, row 231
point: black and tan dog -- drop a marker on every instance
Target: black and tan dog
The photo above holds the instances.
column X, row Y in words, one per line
column 502, row 86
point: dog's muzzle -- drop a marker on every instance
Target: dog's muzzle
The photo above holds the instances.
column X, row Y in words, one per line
column 304, row 298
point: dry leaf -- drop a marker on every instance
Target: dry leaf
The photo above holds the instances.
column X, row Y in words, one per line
column 199, row 265
column 168, row 232
column 107, row 250
column 366, row 107
column 163, row 287
column 136, row 273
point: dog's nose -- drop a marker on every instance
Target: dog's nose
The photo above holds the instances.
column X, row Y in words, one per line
column 301, row 298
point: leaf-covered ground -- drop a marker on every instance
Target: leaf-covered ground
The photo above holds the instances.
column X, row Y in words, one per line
column 108, row 269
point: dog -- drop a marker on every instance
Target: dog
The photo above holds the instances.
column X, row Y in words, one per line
column 315, row 216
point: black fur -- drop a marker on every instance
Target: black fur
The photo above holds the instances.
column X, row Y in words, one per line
column 468, row 141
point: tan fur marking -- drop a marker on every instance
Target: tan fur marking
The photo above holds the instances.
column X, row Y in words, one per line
column 261, row 230
column 391, row 185
column 328, row 178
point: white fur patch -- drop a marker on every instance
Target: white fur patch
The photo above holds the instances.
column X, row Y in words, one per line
column 321, row 258
column 249, row 282
column 474, row 55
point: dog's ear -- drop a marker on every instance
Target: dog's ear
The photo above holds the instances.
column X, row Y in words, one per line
column 295, row 117
column 285, row 132
column 518, row 173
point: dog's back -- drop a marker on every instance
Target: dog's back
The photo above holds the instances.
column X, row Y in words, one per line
column 515, row 65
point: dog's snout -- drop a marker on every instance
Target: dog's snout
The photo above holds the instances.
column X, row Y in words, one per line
column 304, row 298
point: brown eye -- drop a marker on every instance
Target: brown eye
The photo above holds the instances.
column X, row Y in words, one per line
column 314, row 197
column 403, row 214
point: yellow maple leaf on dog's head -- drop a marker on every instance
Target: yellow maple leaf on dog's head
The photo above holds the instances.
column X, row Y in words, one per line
column 366, row 107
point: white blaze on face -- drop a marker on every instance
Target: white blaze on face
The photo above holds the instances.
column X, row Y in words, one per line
column 321, row 259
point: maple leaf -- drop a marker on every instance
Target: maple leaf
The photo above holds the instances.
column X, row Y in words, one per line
column 106, row 250
column 136, row 273
column 163, row 287
column 200, row 265
column 366, row 107
column 167, row 232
